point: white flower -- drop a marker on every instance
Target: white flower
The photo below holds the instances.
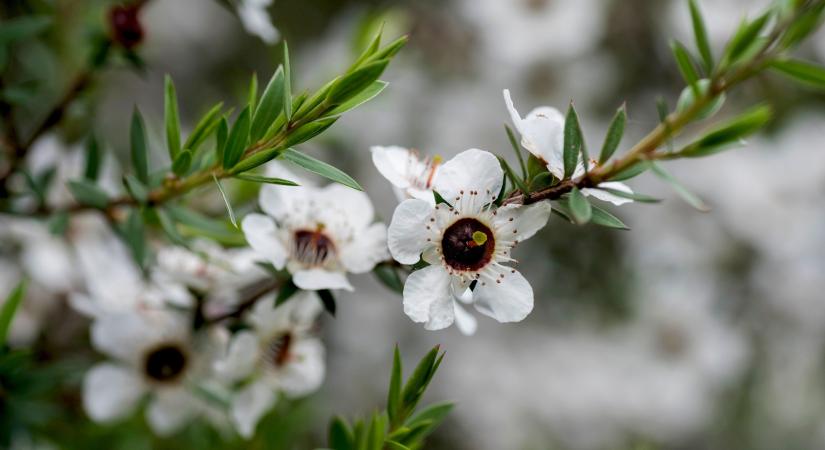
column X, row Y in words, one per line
column 255, row 18
column 278, row 354
column 318, row 234
column 411, row 175
column 542, row 134
column 153, row 352
column 465, row 243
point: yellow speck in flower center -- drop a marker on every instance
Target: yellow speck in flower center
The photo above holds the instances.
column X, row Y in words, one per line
column 479, row 237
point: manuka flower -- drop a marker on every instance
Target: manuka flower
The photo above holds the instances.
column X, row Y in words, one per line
column 410, row 173
column 318, row 234
column 278, row 354
column 153, row 353
column 467, row 245
column 542, row 134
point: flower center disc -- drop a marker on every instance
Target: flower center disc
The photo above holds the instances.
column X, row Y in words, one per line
column 312, row 247
column 278, row 351
column 468, row 245
column 165, row 363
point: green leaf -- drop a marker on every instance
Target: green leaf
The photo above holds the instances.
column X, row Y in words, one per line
column 535, row 167
column 181, row 164
column 137, row 138
column 272, row 103
column 340, row 435
column 394, row 394
column 371, row 49
column 328, row 300
column 256, row 159
column 685, row 63
column 136, row 189
column 169, row 227
column 393, row 445
column 744, row 38
column 286, row 292
column 517, row 150
column 434, row 414
column 23, row 27
column 579, row 206
column 319, row 167
column 635, row 196
column 267, row 180
column 88, row 193
column 362, row 97
column 172, row 118
column 615, row 131
column 287, row 85
column 253, row 91
column 195, row 224
column 389, row 277
column 309, row 131
column 517, row 181
column 680, row 189
column 700, row 33
column 375, row 433
column 58, row 222
column 688, row 98
column 729, row 133
column 605, row 219
column 417, row 383
column 220, row 139
column 237, row 139
column 93, row 158
column 801, row 71
column 351, row 84
column 205, row 127
column 390, row 50
column 226, row 201
column 804, row 24
column 572, row 141
column 9, row 308
column 133, row 234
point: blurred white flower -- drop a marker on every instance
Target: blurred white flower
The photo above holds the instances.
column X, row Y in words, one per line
column 153, row 352
column 278, row 354
column 542, row 134
column 255, row 18
column 464, row 243
column 411, row 174
column 318, row 234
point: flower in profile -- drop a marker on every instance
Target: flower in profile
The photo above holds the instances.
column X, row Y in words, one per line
column 542, row 134
column 255, row 19
column 154, row 353
column 467, row 245
column 410, row 173
column 318, row 234
column 278, row 354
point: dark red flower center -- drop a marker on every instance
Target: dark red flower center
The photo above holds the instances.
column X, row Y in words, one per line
column 279, row 348
column 312, row 247
column 165, row 363
column 468, row 244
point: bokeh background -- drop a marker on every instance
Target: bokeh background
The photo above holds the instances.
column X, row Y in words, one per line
column 690, row 331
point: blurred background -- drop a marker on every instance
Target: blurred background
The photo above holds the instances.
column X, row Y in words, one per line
column 690, row 331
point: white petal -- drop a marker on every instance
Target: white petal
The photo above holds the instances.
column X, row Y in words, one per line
column 344, row 202
column 526, row 220
column 255, row 20
column 250, row 404
column 122, row 336
column 304, row 373
column 368, row 248
column 279, row 201
column 427, row 298
column 514, row 115
column 470, row 170
column 240, row 358
column 170, row 410
column 607, row 196
column 407, row 234
column 542, row 134
column 465, row 321
column 111, row 392
column 261, row 233
column 393, row 162
column 508, row 301
column 316, row 279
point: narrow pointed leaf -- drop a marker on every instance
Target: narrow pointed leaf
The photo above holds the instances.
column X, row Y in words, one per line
column 394, row 395
column 93, row 158
column 729, row 133
column 635, row 196
column 88, row 193
column 237, row 140
column 137, row 190
column 328, row 300
column 685, row 63
column 517, row 181
column 137, row 139
column 579, row 206
column 169, row 227
column 172, row 118
column 744, row 38
column 364, row 96
column 9, row 309
column 271, row 105
column 700, row 34
column 351, row 84
column 182, row 163
column 266, row 180
column 630, row 172
column 252, row 97
column 226, row 202
column 287, row 85
column 802, row 71
column 205, row 127
column 221, row 135
column 319, row 167
column 340, row 435
column 517, row 150
column 615, row 131
column 309, row 131
column 689, row 197
column 605, row 219
column 572, row 141
column 133, row 234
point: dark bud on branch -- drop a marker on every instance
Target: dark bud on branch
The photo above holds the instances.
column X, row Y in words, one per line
column 125, row 25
